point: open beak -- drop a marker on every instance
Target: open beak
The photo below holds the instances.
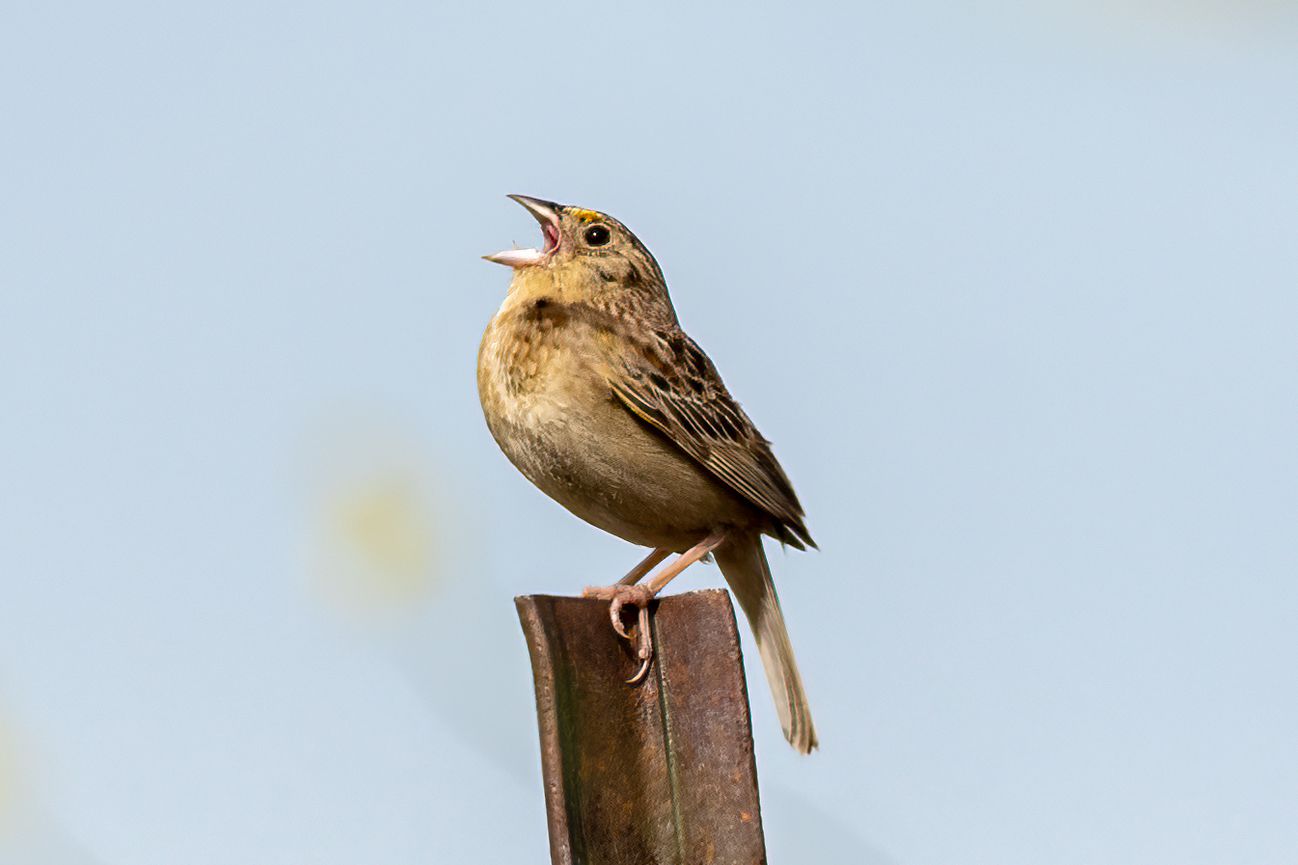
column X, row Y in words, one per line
column 546, row 213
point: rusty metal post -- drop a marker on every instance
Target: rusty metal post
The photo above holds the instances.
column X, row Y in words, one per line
column 661, row 773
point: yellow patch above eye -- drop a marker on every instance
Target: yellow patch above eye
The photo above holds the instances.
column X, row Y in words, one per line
column 586, row 215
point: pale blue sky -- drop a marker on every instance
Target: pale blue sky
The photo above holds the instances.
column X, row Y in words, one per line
column 1015, row 294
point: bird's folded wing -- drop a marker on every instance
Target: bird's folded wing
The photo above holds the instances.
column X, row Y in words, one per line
column 673, row 386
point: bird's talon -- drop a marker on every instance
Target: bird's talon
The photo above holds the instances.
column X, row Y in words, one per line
column 646, row 648
column 640, row 673
column 615, row 613
column 621, row 596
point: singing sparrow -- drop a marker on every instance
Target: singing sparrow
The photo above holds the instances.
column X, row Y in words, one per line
column 597, row 396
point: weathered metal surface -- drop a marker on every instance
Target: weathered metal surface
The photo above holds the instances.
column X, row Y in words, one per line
column 660, row 773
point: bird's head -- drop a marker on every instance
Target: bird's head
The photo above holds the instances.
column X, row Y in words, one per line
column 583, row 253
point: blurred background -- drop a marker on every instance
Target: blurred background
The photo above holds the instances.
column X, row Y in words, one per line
column 1014, row 292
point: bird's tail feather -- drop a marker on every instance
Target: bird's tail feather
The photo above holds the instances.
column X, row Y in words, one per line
column 742, row 560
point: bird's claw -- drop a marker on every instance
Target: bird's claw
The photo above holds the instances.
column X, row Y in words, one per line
column 644, row 649
column 640, row 674
column 619, row 596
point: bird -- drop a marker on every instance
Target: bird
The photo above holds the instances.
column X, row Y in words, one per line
column 596, row 394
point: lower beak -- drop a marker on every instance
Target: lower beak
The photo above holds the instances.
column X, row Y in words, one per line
column 547, row 214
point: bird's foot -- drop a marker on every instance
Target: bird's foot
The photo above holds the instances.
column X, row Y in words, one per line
column 621, row 596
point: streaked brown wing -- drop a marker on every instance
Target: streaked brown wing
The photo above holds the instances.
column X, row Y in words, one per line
column 673, row 386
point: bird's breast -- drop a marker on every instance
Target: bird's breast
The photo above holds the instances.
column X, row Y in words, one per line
column 551, row 410
column 529, row 373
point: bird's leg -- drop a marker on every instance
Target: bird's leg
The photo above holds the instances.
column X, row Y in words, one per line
column 639, row 596
column 634, row 575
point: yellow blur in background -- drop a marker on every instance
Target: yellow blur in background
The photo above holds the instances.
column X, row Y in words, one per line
column 376, row 521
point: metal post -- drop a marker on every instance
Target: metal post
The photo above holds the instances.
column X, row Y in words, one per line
column 660, row 773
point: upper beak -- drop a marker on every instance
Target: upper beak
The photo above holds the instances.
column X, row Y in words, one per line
column 547, row 214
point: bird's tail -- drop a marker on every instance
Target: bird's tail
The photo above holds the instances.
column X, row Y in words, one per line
column 743, row 563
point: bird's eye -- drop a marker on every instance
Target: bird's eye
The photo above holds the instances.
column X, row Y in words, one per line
column 597, row 235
